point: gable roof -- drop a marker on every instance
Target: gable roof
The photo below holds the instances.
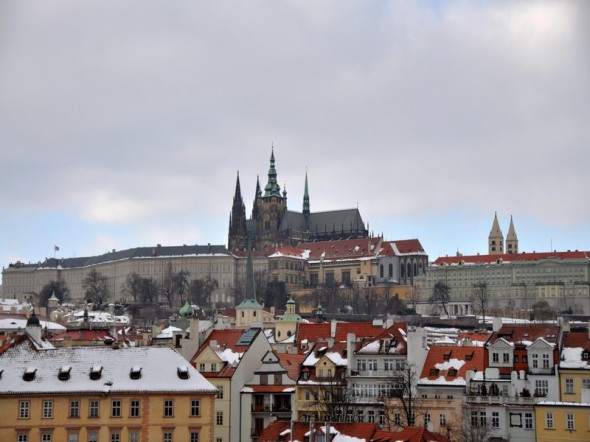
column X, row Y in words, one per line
column 524, row 335
column 395, row 334
column 342, row 249
column 281, row 431
column 575, row 344
column 448, row 364
column 291, row 363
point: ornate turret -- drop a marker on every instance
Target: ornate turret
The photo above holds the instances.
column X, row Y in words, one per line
column 306, row 199
column 496, row 238
column 186, row 311
column 272, row 188
column 237, row 221
column 511, row 239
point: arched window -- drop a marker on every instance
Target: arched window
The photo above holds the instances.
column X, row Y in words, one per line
column 381, row 271
column 391, row 270
column 402, row 270
column 415, row 269
column 409, row 272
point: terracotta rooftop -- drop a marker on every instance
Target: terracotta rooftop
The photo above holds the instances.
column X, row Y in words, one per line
column 344, row 249
column 280, row 430
column 409, row 434
column 511, row 257
column 449, row 363
column 322, row 331
column 291, row 363
column 526, row 334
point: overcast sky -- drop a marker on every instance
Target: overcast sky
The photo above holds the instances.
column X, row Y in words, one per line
column 123, row 124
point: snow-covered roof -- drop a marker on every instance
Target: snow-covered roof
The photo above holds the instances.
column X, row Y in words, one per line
column 15, row 324
column 162, row 370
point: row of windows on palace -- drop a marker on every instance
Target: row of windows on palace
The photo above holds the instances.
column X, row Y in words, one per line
column 114, row 436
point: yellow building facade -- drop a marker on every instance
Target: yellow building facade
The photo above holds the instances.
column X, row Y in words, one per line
column 102, row 395
column 562, row 421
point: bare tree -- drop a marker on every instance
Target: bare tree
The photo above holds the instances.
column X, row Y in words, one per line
column 96, row 288
column 174, row 284
column 542, row 311
column 133, row 286
column 200, row 291
column 59, row 288
column 479, row 299
column 333, row 399
column 402, row 404
column 441, row 295
column 475, row 426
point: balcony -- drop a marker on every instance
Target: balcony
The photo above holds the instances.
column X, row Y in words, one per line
column 502, row 400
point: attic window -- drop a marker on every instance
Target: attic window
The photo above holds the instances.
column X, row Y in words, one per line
column 29, row 374
column 452, row 372
column 469, row 357
column 95, row 372
column 434, row 372
column 135, row 372
column 585, row 355
column 182, row 372
column 447, row 356
column 64, row 373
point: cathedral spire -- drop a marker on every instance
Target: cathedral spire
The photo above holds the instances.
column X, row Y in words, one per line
column 237, row 220
column 257, row 194
column 306, row 198
column 272, row 188
column 496, row 238
column 511, row 239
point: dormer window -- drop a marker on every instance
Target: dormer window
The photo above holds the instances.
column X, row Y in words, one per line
column 96, row 372
column 135, row 372
column 182, row 372
column 434, row 372
column 452, row 372
column 447, row 356
column 469, row 357
column 64, row 373
column 585, row 355
column 29, row 374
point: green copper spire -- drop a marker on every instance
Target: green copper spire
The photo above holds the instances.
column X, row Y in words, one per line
column 272, row 188
column 306, row 197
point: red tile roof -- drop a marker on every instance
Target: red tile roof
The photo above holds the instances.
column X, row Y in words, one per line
column 389, row 333
column 291, row 363
column 409, row 434
column 469, row 358
column 322, row 331
column 523, row 334
column 507, row 257
column 344, row 249
column 272, row 433
column 83, row 335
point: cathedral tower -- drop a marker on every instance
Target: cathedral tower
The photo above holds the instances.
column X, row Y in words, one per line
column 511, row 239
column 495, row 239
column 238, row 234
column 270, row 208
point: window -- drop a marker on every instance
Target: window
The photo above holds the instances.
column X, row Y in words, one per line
column 168, row 408
column 279, row 378
column 47, row 409
column 219, row 418
column 196, row 406
column 24, row 409
column 495, row 357
column 586, row 383
column 307, row 396
column 442, row 420
column 213, row 366
column 569, row 386
column 72, row 437
column 505, row 358
column 194, row 436
column 45, row 437
column 115, row 436
column 426, row 418
column 220, row 392
column 516, row 359
column 545, row 360
column 167, row 436
column 372, row 364
column 75, row 408
column 93, row 408
column 381, row 417
column 264, row 379
column 360, row 415
column 22, row 437
column 569, row 422
column 528, row 421
column 495, row 419
column 541, row 387
column 201, row 367
column 116, row 408
column 93, row 436
column 371, row 416
column 134, row 436
column 535, row 360
column 361, row 365
column 549, row 422
column 134, row 408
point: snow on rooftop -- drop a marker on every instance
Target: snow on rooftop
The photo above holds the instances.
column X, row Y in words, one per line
column 571, row 357
column 168, row 332
column 159, row 371
column 441, row 380
column 452, row 363
column 228, row 355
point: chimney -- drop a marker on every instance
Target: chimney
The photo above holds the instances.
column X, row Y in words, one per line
column 497, row 325
column 350, row 340
column 333, row 328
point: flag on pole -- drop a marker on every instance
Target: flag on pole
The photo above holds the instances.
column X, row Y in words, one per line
column 56, row 248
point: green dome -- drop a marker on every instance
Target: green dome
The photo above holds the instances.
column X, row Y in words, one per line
column 186, row 311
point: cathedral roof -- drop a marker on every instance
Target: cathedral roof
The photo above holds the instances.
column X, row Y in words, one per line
column 346, row 220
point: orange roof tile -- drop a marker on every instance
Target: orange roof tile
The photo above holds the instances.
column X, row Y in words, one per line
column 508, row 257
column 343, row 249
column 442, row 358
column 291, row 363
column 523, row 334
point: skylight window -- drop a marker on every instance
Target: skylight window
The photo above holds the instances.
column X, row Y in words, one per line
column 64, row 372
column 183, row 372
column 29, row 374
column 135, row 372
column 96, row 372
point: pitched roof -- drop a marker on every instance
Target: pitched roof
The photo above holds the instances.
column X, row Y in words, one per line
column 448, row 364
column 396, row 336
column 525, row 334
column 159, row 368
column 314, row 332
column 342, row 249
column 510, row 257
column 575, row 351
column 229, row 346
column 291, row 363
column 409, row 434
column 281, row 431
